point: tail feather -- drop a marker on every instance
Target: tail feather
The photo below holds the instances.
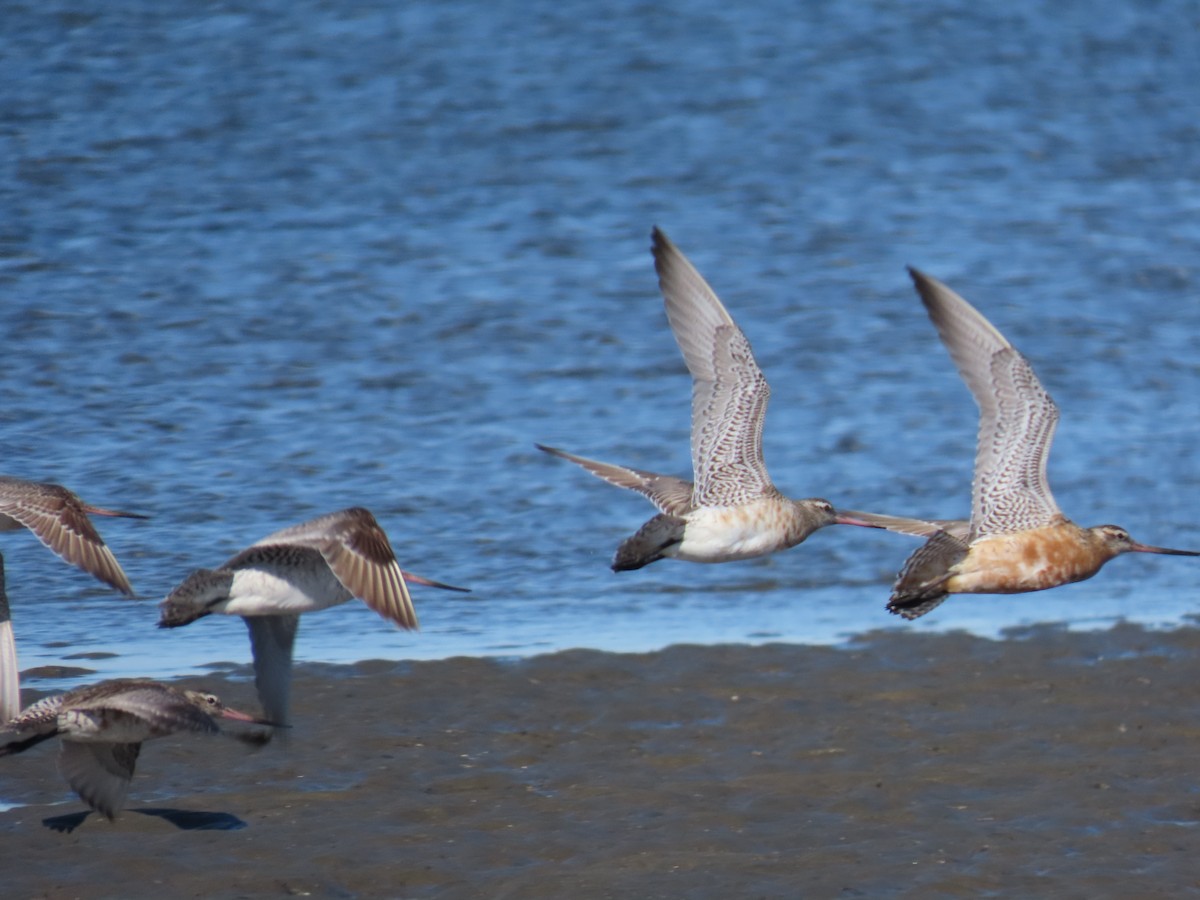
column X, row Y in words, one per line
column 919, row 586
column 649, row 543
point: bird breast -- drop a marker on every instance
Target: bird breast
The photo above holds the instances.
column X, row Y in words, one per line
column 1028, row 561
column 723, row 533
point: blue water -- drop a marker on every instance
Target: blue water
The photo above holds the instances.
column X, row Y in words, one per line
column 262, row 261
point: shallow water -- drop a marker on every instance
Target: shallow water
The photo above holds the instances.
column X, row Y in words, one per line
column 264, row 261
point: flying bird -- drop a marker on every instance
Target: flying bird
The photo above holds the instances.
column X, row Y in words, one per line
column 1017, row 539
column 102, row 728
column 731, row 509
column 320, row 563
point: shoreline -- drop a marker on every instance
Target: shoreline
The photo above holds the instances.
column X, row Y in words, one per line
column 930, row 764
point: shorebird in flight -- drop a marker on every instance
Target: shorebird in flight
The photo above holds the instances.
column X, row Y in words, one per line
column 60, row 520
column 103, row 726
column 731, row 509
column 1017, row 539
column 320, row 563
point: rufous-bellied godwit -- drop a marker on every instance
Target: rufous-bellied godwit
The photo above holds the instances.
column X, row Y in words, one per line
column 102, row 727
column 1017, row 539
column 731, row 510
column 320, row 563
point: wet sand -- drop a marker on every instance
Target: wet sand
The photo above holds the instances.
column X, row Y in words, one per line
column 1050, row 764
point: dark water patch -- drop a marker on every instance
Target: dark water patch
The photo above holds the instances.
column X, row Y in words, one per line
column 55, row 672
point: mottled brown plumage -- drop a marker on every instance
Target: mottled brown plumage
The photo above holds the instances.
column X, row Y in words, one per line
column 103, row 726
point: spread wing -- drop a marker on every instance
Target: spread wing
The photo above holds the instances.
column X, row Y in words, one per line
column 60, row 521
column 671, row 495
column 99, row 773
column 357, row 551
column 10, row 677
column 925, row 528
column 1017, row 417
column 271, row 641
column 729, row 391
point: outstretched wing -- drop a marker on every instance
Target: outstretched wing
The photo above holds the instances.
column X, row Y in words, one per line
column 729, row 391
column 359, row 554
column 671, row 495
column 271, row 641
column 1017, row 417
column 99, row 773
column 926, row 528
column 60, row 521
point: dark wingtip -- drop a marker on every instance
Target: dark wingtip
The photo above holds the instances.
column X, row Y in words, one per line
column 659, row 242
column 919, row 278
column 914, row 607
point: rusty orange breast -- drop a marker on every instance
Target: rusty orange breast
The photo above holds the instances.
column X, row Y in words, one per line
column 1029, row 560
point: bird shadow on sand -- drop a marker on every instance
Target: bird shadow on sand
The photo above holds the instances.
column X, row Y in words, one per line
column 183, row 819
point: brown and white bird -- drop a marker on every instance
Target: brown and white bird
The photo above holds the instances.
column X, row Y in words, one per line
column 60, row 520
column 1017, row 539
column 102, row 728
column 320, row 563
column 731, row 510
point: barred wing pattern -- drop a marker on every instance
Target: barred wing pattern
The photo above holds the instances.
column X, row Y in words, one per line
column 1017, row 417
column 729, row 391
column 1011, row 492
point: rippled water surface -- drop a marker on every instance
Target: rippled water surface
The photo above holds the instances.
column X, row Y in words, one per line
column 263, row 261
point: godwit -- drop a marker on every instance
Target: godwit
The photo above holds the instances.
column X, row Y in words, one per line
column 314, row 565
column 60, row 520
column 102, row 727
column 731, row 510
column 1017, row 539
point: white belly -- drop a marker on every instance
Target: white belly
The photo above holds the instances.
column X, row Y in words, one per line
column 261, row 592
column 722, row 534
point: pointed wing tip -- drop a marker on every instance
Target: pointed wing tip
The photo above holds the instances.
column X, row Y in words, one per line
column 922, row 282
column 117, row 580
column 660, row 244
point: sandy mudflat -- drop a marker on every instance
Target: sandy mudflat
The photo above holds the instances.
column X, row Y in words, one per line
column 1052, row 764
